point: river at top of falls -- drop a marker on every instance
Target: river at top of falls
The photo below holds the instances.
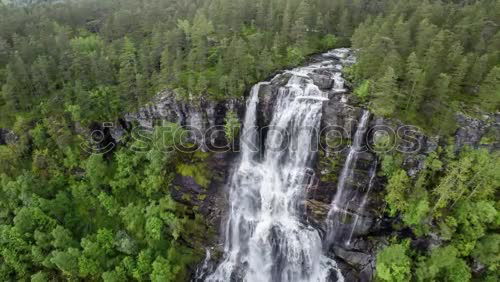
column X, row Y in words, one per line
column 265, row 240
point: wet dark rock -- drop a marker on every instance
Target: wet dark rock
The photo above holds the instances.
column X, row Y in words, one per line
column 353, row 258
column 7, row 137
column 210, row 201
column 470, row 131
column 118, row 131
column 202, row 118
column 317, row 210
column 474, row 132
column 323, row 81
column 363, row 272
column 267, row 98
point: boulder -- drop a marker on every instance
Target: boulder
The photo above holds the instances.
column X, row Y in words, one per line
column 7, row 137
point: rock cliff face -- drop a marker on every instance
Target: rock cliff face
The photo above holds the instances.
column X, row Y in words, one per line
column 363, row 224
column 202, row 119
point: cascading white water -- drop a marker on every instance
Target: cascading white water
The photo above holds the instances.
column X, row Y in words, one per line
column 339, row 204
column 339, row 83
column 359, row 212
column 265, row 239
column 351, row 159
column 204, row 266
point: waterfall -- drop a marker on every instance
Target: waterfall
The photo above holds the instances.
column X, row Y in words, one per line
column 340, row 203
column 359, row 212
column 265, row 240
column 203, row 267
column 338, row 83
column 249, row 140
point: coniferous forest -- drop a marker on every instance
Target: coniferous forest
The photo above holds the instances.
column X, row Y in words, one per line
column 67, row 214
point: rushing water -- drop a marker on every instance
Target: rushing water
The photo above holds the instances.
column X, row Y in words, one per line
column 339, row 207
column 361, row 209
column 200, row 271
column 265, row 240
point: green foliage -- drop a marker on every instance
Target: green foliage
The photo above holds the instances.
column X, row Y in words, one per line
column 489, row 95
column 39, row 277
column 443, row 264
column 363, row 90
column 69, row 215
column 232, row 126
column 397, row 189
column 294, row 56
column 472, row 176
column 391, row 163
column 393, row 263
column 87, row 45
column 384, row 97
column 454, row 197
column 66, row 261
column 331, row 164
column 417, row 212
column 329, row 41
column 127, row 76
column 432, row 68
column 196, row 168
column 487, row 251
column 161, row 270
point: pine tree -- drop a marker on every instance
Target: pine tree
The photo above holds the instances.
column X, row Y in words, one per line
column 199, row 32
column 103, row 70
column 415, row 86
column 270, row 18
column 286, row 22
column 299, row 28
column 165, row 74
column 40, row 75
column 157, row 46
column 425, row 34
column 128, row 72
column 489, row 94
column 265, row 63
column 17, row 88
column 478, row 71
column 386, row 94
column 4, row 51
column 458, row 75
column 260, row 17
column 298, row 33
column 437, row 112
column 145, row 64
column 402, row 36
column 394, row 60
column 371, row 57
column 344, row 27
column 434, row 61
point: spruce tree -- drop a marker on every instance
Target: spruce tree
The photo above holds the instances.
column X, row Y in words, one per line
column 165, row 74
column 128, row 72
column 17, row 88
column 386, row 94
column 415, row 83
column 489, row 94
